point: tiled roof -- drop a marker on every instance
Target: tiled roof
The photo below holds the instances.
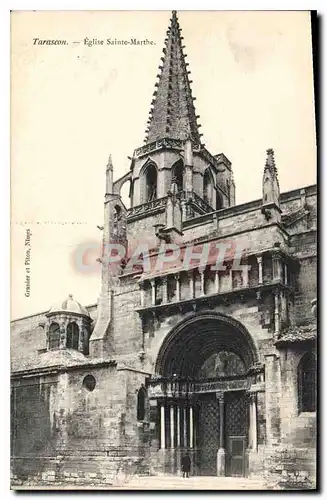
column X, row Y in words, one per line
column 302, row 333
column 69, row 305
column 65, row 358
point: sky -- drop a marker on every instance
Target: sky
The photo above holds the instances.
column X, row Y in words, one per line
column 73, row 105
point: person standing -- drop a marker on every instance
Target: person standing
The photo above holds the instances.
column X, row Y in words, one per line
column 186, row 465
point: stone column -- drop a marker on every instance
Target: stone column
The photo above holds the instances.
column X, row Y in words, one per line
column 165, row 290
column 162, row 427
column 178, row 288
column 195, row 417
column 277, row 267
column 202, row 282
column 153, row 292
column 191, row 425
column 277, row 313
column 184, row 427
column 259, row 260
column 221, row 454
column 245, row 274
column 191, row 284
column 253, row 433
column 217, row 281
column 172, row 427
column 178, row 424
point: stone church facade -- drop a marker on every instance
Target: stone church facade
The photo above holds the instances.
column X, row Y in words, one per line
column 218, row 361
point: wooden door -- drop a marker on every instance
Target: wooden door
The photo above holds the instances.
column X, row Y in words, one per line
column 236, row 455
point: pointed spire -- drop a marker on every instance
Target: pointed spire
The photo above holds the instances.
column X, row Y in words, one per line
column 109, row 176
column 172, row 112
column 270, row 161
column 109, row 164
column 270, row 186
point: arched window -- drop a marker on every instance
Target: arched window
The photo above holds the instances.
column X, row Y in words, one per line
column 72, row 336
column 177, row 174
column 131, row 193
column 151, row 183
column 307, row 373
column 141, row 404
column 54, row 336
column 208, row 187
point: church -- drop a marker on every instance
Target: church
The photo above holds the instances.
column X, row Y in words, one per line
column 216, row 361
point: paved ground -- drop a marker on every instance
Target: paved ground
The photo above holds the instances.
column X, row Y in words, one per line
column 161, row 483
column 192, row 483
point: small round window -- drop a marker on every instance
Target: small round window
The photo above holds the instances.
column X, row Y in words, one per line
column 89, row 382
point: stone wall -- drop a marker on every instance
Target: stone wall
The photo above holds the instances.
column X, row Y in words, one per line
column 289, row 468
column 292, row 464
column 67, row 433
column 306, row 281
column 127, row 323
column 113, row 467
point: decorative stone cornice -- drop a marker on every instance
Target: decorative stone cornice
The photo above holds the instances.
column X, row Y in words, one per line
column 196, row 203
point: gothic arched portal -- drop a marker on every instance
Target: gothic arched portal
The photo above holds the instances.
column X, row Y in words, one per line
column 205, row 370
column 187, row 347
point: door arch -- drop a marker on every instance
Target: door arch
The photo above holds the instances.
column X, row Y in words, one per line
column 192, row 341
column 205, row 367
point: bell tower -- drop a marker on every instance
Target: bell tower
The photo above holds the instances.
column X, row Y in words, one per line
column 173, row 151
